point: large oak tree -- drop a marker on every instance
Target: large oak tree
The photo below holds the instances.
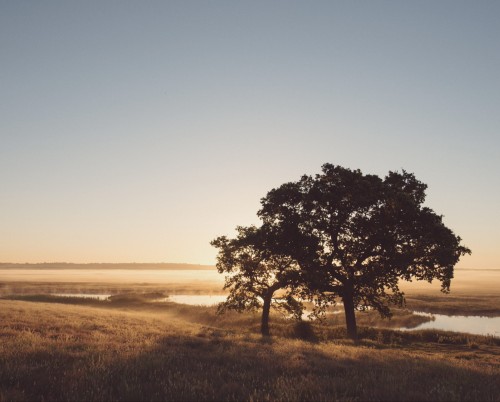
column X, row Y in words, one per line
column 356, row 236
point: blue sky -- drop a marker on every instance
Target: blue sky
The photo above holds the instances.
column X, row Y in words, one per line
column 139, row 131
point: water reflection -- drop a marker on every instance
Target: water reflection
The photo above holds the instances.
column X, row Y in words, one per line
column 194, row 300
column 468, row 324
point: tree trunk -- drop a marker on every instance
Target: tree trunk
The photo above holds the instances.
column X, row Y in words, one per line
column 350, row 317
column 264, row 327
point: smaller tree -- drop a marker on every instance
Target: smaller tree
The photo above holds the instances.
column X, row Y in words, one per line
column 254, row 275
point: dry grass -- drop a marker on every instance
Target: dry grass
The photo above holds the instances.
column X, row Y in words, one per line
column 33, row 287
column 53, row 351
column 137, row 300
column 456, row 304
column 401, row 318
column 132, row 348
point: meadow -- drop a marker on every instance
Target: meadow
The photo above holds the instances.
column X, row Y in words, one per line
column 133, row 348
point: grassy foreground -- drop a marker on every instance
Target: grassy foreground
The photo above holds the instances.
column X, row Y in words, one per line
column 51, row 351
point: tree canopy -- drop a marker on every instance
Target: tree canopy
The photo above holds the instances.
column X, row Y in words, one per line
column 357, row 235
column 254, row 274
column 339, row 234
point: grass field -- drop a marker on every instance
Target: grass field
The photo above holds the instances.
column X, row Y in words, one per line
column 133, row 349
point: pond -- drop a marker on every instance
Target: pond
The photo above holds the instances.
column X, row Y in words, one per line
column 475, row 325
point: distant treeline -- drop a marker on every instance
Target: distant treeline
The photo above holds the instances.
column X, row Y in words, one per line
column 132, row 265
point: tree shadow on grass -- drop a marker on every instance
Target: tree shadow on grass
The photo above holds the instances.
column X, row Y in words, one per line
column 215, row 365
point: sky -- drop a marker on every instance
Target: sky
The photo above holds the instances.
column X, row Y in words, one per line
column 136, row 131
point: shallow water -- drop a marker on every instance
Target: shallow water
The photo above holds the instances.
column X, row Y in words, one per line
column 194, row 300
column 467, row 324
column 486, row 280
column 475, row 325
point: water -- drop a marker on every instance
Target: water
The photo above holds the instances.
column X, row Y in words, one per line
column 475, row 325
column 194, row 300
column 486, row 280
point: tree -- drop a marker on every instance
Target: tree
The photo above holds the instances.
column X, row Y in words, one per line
column 254, row 275
column 356, row 236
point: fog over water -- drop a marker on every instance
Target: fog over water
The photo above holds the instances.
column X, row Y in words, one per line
column 468, row 280
column 209, row 281
column 153, row 276
column 480, row 280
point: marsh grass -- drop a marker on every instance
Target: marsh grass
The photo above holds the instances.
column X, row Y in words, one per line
column 456, row 304
column 207, row 314
column 401, row 318
column 9, row 288
column 54, row 351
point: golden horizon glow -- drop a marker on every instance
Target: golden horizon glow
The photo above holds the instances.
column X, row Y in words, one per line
column 125, row 144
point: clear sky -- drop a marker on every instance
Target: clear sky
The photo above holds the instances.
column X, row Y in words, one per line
column 139, row 131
